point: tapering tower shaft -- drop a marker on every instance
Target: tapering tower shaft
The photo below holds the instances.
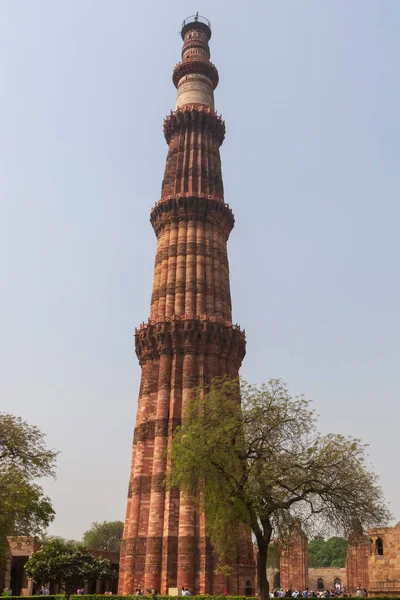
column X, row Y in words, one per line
column 188, row 339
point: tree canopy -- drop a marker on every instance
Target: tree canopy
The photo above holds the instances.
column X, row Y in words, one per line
column 68, row 565
column 327, row 553
column 253, row 454
column 24, row 457
column 104, row 536
column 46, row 539
column 274, row 556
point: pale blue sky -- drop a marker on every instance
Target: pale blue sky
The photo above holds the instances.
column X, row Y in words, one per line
column 310, row 94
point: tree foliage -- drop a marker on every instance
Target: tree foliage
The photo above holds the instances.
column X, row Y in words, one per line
column 327, row 553
column 24, row 457
column 46, row 539
column 274, row 556
column 67, row 565
column 254, row 455
column 104, row 536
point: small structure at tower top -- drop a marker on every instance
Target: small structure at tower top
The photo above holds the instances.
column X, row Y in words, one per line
column 196, row 22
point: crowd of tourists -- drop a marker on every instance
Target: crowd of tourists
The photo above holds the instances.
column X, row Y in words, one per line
column 338, row 590
column 153, row 593
column 281, row 593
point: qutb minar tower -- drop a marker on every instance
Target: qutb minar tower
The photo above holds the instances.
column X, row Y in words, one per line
column 188, row 339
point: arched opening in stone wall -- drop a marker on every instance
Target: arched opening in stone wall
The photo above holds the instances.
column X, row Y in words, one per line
column 320, row 583
column 379, row 547
column 248, row 590
column 337, row 583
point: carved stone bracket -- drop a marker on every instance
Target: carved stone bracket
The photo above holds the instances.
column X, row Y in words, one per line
column 198, row 115
column 190, row 335
column 203, row 208
column 195, row 66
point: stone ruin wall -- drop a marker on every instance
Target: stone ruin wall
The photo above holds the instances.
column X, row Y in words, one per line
column 372, row 562
column 294, row 563
column 384, row 560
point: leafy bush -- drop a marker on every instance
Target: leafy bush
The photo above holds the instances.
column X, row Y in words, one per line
column 116, row 597
column 50, row 597
column 70, row 566
column 205, row 597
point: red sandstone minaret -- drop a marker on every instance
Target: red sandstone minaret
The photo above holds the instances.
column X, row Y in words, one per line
column 188, row 340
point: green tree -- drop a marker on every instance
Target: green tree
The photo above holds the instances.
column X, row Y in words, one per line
column 24, row 457
column 274, row 555
column 46, row 539
column 104, row 536
column 254, row 455
column 67, row 565
column 327, row 553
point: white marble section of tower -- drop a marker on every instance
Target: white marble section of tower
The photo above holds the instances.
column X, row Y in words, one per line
column 195, row 76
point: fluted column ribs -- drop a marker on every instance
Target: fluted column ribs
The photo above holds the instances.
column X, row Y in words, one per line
column 164, row 274
column 209, row 270
column 181, row 269
column 191, row 273
column 200, row 274
column 186, row 528
column 204, row 161
column 176, row 175
column 171, row 277
column 217, row 274
column 192, row 178
column 157, row 494
column 144, row 484
column 199, row 156
column 193, row 160
column 211, row 155
column 190, row 306
column 186, row 154
column 226, row 297
column 188, row 340
column 131, row 567
column 157, row 275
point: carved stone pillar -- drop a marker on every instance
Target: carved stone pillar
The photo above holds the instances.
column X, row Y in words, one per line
column 188, row 339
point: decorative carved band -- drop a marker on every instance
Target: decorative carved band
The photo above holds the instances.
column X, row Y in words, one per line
column 144, row 484
column 154, row 545
column 133, row 546
column 193, row 47
column 144, row 432
column 184, row 545
column 194, row 115
column 190, row 334
column 193, row 65
column 200, row 208
column 155, row 428
column 186, row 553
column 184, row 249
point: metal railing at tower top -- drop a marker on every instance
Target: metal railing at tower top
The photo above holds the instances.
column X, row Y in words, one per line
column 196, row 19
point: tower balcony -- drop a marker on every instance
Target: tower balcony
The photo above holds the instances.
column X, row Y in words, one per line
column 196, row 22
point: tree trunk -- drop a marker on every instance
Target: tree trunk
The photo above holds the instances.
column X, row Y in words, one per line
column 263, row 540
column 263, row 585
